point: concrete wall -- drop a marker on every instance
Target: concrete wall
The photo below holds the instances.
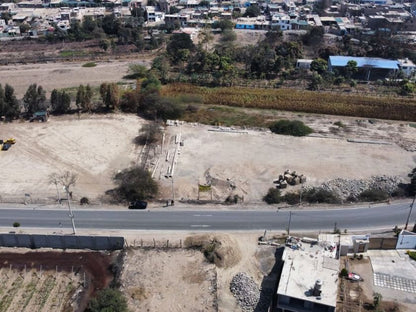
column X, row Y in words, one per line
column 406, row 240
column 62, row 241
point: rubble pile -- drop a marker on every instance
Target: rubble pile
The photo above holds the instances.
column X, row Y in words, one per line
column 351, row 189
column 289, row 178
column 246, row 291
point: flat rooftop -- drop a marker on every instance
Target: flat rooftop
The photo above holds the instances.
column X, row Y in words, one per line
column 303, row 267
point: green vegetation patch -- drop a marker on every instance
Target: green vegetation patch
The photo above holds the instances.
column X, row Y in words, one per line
column 290, row 127
column 89, row 64
column 412, row 254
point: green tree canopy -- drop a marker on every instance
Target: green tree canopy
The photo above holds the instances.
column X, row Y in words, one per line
column 252, row 11
column 135, row 184
column 108, row 300
column 34, row 99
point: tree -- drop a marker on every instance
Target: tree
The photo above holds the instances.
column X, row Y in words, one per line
column 110, row 95
column 60, row 101
column 135, row 184
column 252, row 11
column 11, row 108
column 161, row 66
column 178, row 42
column 104, row 44
column 273, row 196
column 223, row 24
column 350, row 69
column 84, row 96
column 314, row 36
column 34, row 99
column 319, row 65
column 108, row 300
column 137, row 71
column 316, row 82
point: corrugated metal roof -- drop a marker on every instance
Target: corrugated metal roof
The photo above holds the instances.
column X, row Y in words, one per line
column 364, row 62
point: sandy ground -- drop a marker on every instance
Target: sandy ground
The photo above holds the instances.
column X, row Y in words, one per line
column 154, row 283
column 93, row 147
column 62, row 75
column 247, row 163
column 97, row 146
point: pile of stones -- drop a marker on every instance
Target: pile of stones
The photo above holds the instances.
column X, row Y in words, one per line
column 289, row 178
column 246, row 291
column 351, row 189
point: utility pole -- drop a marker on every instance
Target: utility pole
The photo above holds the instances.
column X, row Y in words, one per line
column 71, row 214
column 410, row 212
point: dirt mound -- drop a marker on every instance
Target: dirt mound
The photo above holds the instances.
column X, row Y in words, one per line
column 221, row 250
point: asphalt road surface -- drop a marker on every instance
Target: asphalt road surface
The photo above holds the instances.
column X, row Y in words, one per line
column 381, row 217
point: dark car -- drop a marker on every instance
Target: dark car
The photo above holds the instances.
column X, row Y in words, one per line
column 138, row 204
column 6, row 146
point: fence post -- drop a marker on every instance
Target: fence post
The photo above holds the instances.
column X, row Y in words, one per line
column 167, row 244
column 154, row 243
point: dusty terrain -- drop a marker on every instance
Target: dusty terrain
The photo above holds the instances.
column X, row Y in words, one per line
column 245, row 162
column 93, row 147
column 97, row 146
column 150, row 277
column 50, row 281
column 63, row 75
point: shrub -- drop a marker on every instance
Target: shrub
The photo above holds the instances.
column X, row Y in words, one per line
column 412, row 254
column 344, row 272
column 108, row 300
column 288, row 127
column 373, row 195
column 135, row 184
column 292, row 198
column 84, row 201
column 89, row 64
column 273, row 196
column 318, row 195
column 16, row 224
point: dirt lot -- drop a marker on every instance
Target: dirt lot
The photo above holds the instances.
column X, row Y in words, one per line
column 150, row 277
column 62, row 75
column 94, row 147
column 50, row 281
column 97, row 146
column 246, row 163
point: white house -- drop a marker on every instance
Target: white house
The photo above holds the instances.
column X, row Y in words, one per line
column 407, row 67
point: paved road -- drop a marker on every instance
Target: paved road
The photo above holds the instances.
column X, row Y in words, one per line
column 350, row 218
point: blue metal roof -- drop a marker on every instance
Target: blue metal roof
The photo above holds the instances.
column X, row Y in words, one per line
column 364, row 62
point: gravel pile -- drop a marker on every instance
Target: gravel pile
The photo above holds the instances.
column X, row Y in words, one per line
column 246, row 291
column 353, row 188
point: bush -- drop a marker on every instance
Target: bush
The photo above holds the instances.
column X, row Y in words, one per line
column 412, row 254
column 292, row 198
column 288, row 127
column 318, row 195
column 373, row 195
column 344, row 272
column 273, row 196
column 89, row 64
column 108, row 300
column 16, row 224
column 84, row 201
column 135, row 184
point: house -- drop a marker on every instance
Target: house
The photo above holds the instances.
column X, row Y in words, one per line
column 309, row 277
column 370, row 68
column 303, row 64
column 407, row 67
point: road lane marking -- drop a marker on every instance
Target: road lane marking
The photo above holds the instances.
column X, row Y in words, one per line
column 200, row 225
column 199, row 215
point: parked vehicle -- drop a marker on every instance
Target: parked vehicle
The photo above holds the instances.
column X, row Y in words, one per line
column 138, row 204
